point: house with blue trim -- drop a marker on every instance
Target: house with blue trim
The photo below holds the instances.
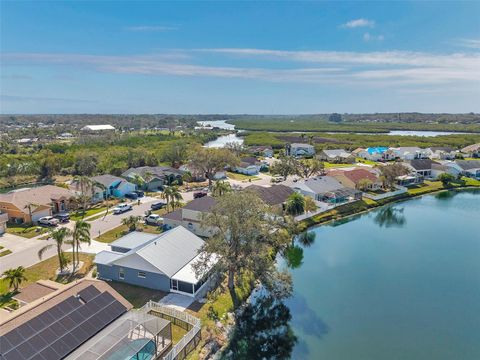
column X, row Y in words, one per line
column 156, row 261
column 115, row 186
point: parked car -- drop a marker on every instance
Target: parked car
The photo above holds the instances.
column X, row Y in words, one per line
column 276, row 179
column 48, row 221
column 158, row 205
column 153, row 219
column 139, row 193
column 131, row 195
column 199, row 194
column 63, row 217
column 121, row 208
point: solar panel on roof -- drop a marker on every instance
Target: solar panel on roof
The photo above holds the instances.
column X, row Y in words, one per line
column 89, row 293
column 13, row 355
column 26, row 350
column 4, row 344
column 25, row 331
column 60, row 348
column 13, row 338
column 48, row 353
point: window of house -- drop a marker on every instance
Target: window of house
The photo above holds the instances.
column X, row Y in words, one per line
column 174, row 284
column 141, row 274
column 190, row 225
column 121, row 274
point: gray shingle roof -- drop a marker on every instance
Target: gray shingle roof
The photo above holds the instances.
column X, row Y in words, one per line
column 107, row 180
column 468, row 164
column 273, row 195
column 319, row 184
column 422, row 164
column 203, row 204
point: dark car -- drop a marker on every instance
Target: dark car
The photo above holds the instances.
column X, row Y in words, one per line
column 139, row 193
column 158, row 205
column 131, row 195
column 199, row 194
column 63, row 217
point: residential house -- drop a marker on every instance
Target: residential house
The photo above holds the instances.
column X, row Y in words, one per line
column 95, row 129
column 156, row 261
column 356, row 178
column 371, row 153
column 297, row 149
column 3, row 222
column 446, row 166
column 249, row 166
column 337, row 156
column 409, row 180
column 442, row 153
column 54, row 325
column 471, row 151
column 265, row 151
column 470, row 168
column 190, row 216
column 275, row 196
column 325, row 188
column 406, row 153
column 43, row 201
column 155, row 176
column 421, row 167
column 115, row 186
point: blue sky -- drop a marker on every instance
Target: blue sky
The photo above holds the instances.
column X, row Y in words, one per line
column 239, row 57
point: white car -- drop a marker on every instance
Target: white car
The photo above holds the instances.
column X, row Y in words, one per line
column 153, row 219
column 48, row 220
column 121, row 208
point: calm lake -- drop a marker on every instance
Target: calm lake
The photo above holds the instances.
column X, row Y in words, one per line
column 402, row 282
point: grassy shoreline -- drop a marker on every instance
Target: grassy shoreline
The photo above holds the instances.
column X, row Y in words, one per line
column 363, row 206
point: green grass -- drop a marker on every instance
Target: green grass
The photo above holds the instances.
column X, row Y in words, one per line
column 426, row 187
column 136, row 295
column 5, row 252
column 364, row 161
column 333, row 166
column 122, row 230
column 25, row 231
column 46, row 270
column 241, row 177
column 78, row 215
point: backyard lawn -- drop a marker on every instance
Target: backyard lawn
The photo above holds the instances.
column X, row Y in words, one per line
column 78, row 215
column 426, row 187
column 136, row 295
column 333, row 166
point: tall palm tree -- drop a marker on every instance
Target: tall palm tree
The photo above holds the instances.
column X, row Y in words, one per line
column 59, row 235
column 31, row 206
column 15, row 277
column 172, row 195
column 137, row 180
column 86, row 185
column 106, row 195
column 80, row 234
column 220, row 188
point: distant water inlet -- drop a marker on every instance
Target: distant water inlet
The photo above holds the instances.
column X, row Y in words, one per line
column 401, row 282
column 221, row 141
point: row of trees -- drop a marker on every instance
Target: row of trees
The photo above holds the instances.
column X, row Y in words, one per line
column 304, row 168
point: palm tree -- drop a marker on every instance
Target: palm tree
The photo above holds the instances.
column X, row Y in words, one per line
column 295, row 204
column 59, row 235
column 105, row 196
column 137, row 180
column 131, row 222
column 80, row 234
column 85, row 184
column 15, row 277
column 220, row 188
column 172, row 195
column 29, row 206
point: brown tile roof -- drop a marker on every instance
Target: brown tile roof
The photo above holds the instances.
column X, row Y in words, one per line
column 33, row 292
column 37, row 307
column 42, row 195
column 357, row 175
column 273, row 195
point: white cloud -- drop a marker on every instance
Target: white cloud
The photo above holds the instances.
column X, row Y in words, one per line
column 151, row 28
column 369, row 37
column 359, row 23
column 470, row 43
column 388, row 69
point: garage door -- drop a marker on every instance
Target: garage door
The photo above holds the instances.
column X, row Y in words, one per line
column 41, row 213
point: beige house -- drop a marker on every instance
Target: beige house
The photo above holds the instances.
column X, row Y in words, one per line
column 40, row 201
column 357, row 178
column 3, row 222
column 190, row 216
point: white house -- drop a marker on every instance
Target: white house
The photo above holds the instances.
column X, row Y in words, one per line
column 371, row 153
column 406, row 153
column 470, row 168
column 297, row 149
column 336, row 156
column 249, row 166
column 97, row 128
column 471, row 150
column 442, row 153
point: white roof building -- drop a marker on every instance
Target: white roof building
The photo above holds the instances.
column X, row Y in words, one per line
column 98, row 128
